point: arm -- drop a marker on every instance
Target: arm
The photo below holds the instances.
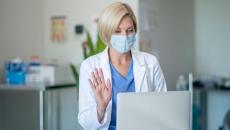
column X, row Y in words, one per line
column 102, row 91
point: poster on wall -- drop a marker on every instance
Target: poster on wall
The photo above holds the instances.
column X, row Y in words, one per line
column 58, row 29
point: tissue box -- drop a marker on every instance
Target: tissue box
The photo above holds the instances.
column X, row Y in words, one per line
column 49, row 74
column 40, row 74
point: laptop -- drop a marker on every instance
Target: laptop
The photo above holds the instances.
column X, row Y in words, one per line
column 154, row 111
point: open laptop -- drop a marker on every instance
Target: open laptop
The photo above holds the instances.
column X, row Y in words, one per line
column 154, row 111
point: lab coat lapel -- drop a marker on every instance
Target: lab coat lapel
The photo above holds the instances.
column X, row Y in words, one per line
column 104, row 58
column 139, row 70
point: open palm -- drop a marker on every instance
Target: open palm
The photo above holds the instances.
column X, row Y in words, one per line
column 102, row 90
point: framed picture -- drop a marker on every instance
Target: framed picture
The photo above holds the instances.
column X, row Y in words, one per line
column 58, row 29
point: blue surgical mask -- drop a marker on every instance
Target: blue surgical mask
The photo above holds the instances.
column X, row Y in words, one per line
column 122, row 43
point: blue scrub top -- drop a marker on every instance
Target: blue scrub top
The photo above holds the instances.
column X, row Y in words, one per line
column 120, row 84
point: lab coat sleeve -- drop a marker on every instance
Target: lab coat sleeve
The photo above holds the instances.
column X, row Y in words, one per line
column 87, row 115
column 159, row 80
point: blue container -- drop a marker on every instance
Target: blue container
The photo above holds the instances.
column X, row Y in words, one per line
column 16, row 78
column 15, row 73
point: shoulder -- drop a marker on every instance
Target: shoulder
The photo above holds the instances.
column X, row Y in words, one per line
column 146, row 57
column 91, row 61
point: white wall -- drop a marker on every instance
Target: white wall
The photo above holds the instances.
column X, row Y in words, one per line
column 172, row 36
column 212, row 37
column 76, row 12
column 21, row 29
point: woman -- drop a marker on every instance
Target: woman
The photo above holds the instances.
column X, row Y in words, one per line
column 117, row 69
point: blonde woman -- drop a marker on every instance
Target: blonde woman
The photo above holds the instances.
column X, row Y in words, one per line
column 117, row 69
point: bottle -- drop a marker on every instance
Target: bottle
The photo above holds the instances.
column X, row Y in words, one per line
column 35, row 61
column 33, row 75
column 181, row 84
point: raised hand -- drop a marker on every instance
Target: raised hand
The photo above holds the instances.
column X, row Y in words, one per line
column 102, row 91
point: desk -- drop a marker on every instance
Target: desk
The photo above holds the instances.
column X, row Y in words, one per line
column 38, row 107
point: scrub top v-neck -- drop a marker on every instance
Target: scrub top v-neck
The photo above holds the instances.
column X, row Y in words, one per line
column 120, row 84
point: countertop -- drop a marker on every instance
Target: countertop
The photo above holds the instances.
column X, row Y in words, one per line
column 38, row 87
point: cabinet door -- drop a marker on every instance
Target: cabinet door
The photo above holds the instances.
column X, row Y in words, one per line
column 19, row 110
column 61, row 109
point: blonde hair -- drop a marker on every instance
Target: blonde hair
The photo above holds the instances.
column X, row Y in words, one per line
column 110, row 18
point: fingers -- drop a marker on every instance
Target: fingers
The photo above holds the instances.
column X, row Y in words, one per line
column 92, row 85
column 98, row 82
column 101, row 76
column 94, row 79
column 97, row 78
column 108, row 84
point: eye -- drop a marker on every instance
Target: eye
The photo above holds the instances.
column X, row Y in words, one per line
column 117, row 31
column 131, row 30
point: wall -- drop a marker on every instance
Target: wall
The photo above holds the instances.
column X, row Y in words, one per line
column 169, row 34
column 212, row 37
column 21, row 30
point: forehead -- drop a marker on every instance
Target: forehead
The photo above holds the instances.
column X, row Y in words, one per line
column 126, row 22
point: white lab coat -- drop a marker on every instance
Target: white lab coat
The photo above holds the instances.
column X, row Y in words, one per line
column 148, row 77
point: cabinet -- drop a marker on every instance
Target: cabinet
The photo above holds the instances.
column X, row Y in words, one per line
column 44, row 107
column 210, row 107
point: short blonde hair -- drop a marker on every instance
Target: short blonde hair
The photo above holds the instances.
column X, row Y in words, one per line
column 110, row 18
